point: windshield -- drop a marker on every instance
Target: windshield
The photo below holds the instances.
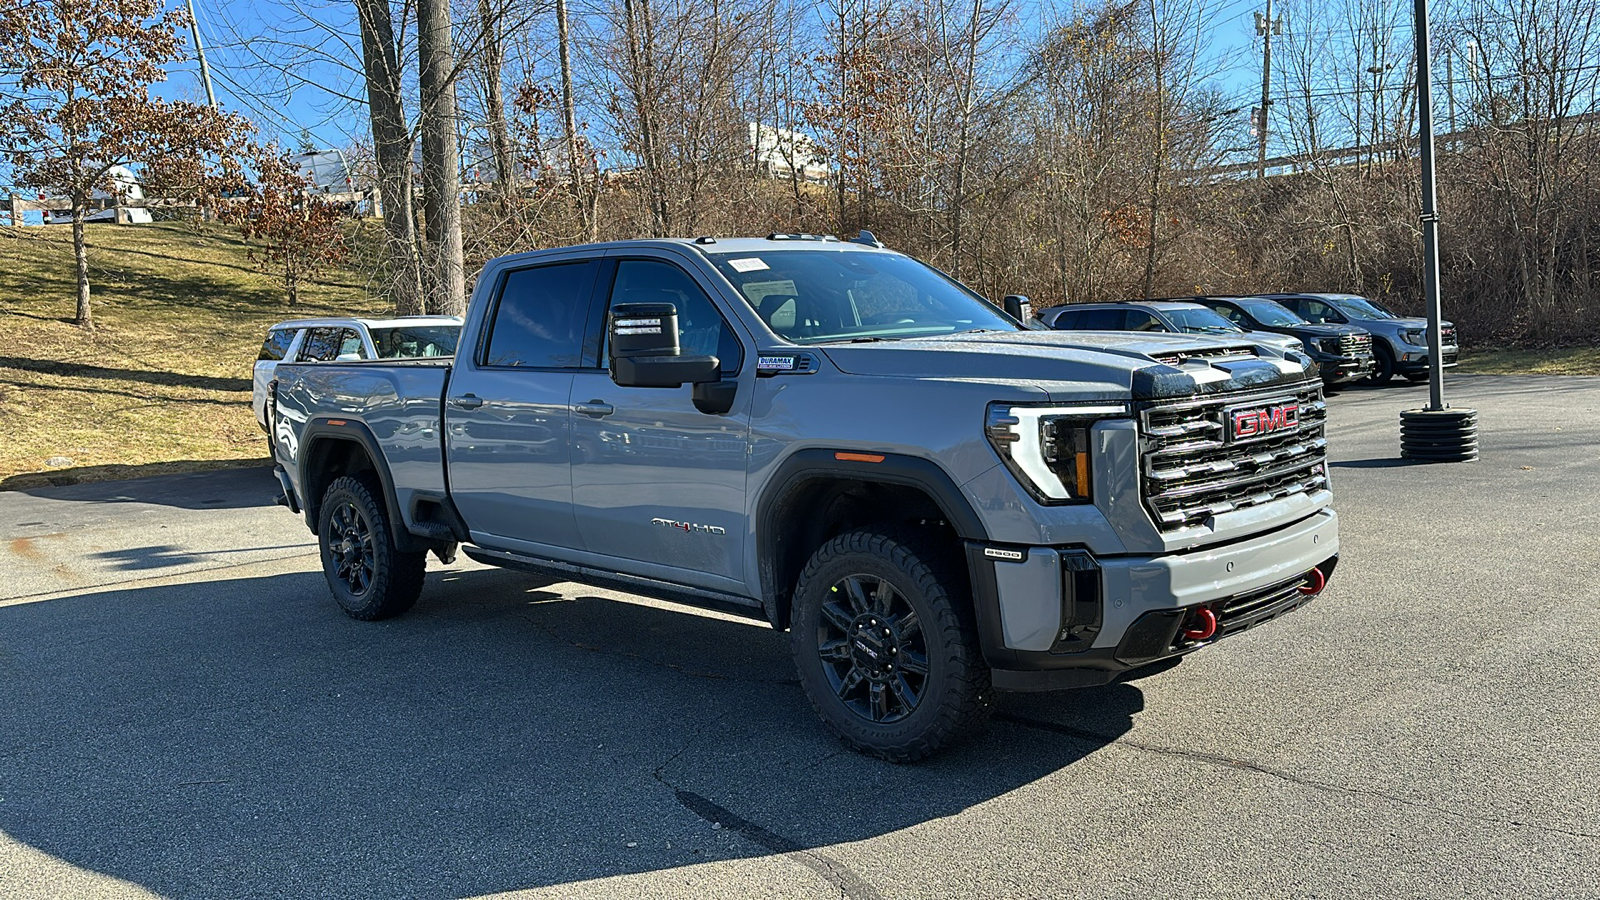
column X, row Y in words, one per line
column 1362, row 308
column 812, row 297
column 1200, row 320
column 1268, row 313
column 416, row 341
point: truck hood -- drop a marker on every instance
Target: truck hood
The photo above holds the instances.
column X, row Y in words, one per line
column 1119, row 364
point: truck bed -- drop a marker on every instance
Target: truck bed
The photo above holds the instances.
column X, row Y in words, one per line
column 397, row 402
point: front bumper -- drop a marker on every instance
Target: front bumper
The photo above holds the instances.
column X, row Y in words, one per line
column 1039, row 630
column 1411, row 361
column 1341, row 369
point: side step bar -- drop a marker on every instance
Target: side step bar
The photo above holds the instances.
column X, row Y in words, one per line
column 701, row 598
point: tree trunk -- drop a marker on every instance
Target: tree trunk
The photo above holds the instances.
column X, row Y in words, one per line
column 80, row 253
column 391, row 141
column 494, row 61
column 569, row 124
column 441, row 160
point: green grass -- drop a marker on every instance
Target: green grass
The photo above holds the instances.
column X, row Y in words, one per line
column 163, row 384
column 1563, row 361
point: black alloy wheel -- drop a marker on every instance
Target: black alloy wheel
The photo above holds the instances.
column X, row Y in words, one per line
column 350, row 542
column 369, row 576
column 872, row 648
column 885, row 643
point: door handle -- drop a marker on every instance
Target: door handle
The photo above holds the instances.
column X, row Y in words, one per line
column 467, row 401
column 595, row 409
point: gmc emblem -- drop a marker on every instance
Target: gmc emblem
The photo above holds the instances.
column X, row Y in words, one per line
column 1260, row 421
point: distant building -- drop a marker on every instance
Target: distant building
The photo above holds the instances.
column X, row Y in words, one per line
column 786, row 153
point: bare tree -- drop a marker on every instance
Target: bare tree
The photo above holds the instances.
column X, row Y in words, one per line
column 441, row 159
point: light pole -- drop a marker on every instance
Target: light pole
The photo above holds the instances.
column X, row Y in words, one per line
column 1436, row 433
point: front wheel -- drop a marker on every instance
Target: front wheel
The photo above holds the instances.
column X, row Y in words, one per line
column 369, row 577
column 885, row 645
column 1383, row 364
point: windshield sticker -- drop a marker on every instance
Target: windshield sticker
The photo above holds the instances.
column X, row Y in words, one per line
column 753, row 264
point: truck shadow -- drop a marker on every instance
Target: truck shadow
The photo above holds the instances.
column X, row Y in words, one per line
column 243, row 738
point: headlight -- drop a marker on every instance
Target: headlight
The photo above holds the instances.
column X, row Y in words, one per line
column 1047, row 447
column 1415, row 336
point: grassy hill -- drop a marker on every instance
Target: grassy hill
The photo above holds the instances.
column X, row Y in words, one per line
column 164, row 381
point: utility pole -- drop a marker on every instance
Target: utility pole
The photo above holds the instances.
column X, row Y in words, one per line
column 200, row 51
column 1266, row 27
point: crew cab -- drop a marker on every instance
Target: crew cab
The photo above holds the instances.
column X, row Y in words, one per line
column 934, row 500
column 1343, row 353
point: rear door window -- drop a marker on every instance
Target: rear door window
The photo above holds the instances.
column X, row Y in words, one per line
column 276, row 344
column 540, row 317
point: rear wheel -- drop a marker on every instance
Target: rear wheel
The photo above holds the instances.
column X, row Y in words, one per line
column 369, row 577
column 885, row 645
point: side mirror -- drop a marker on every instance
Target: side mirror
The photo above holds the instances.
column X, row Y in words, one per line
column 1018, row 307
column 643, row 341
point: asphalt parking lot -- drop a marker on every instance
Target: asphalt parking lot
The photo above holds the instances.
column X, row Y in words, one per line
column 186, row 713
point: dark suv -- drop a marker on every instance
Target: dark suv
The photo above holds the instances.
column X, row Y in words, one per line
column 1399, row 344
column 1343, row 352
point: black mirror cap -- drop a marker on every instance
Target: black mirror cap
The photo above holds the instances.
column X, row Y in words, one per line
column 664, row 371
column 642, row 330
column 1018, row 307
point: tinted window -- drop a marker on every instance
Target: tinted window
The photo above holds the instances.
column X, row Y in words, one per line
column 1319, row 312
column 276, row 344
column 1200, row 321
column 415, row 342
column 321, row 344
column 1138, row 320
column 1269, row 313
column 1102, row 319
column 1231, row 314
column 540, row 318
column 1066, row 320
column 701, row 329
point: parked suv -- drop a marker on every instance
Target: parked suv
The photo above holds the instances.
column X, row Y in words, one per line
column 1399, row 344
column 936, row 501
column 325, row 340
column 1342, row 352
column 1157, row 316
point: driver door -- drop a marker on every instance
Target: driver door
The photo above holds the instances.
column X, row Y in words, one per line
column 655, row 480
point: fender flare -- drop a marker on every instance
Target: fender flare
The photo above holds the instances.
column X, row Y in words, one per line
column 322, row 429
column 813, row 464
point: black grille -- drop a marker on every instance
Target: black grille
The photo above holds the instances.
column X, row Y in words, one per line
column 1191, row 470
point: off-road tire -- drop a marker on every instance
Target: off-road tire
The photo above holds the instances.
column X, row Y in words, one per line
column 1383, row 364
column 954, row 694
column 391, row 580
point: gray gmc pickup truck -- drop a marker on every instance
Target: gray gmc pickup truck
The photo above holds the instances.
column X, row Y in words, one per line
column 936, row 501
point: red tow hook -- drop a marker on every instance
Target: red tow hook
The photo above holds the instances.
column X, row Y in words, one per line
column 1206, row 627
column 1315, row 582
